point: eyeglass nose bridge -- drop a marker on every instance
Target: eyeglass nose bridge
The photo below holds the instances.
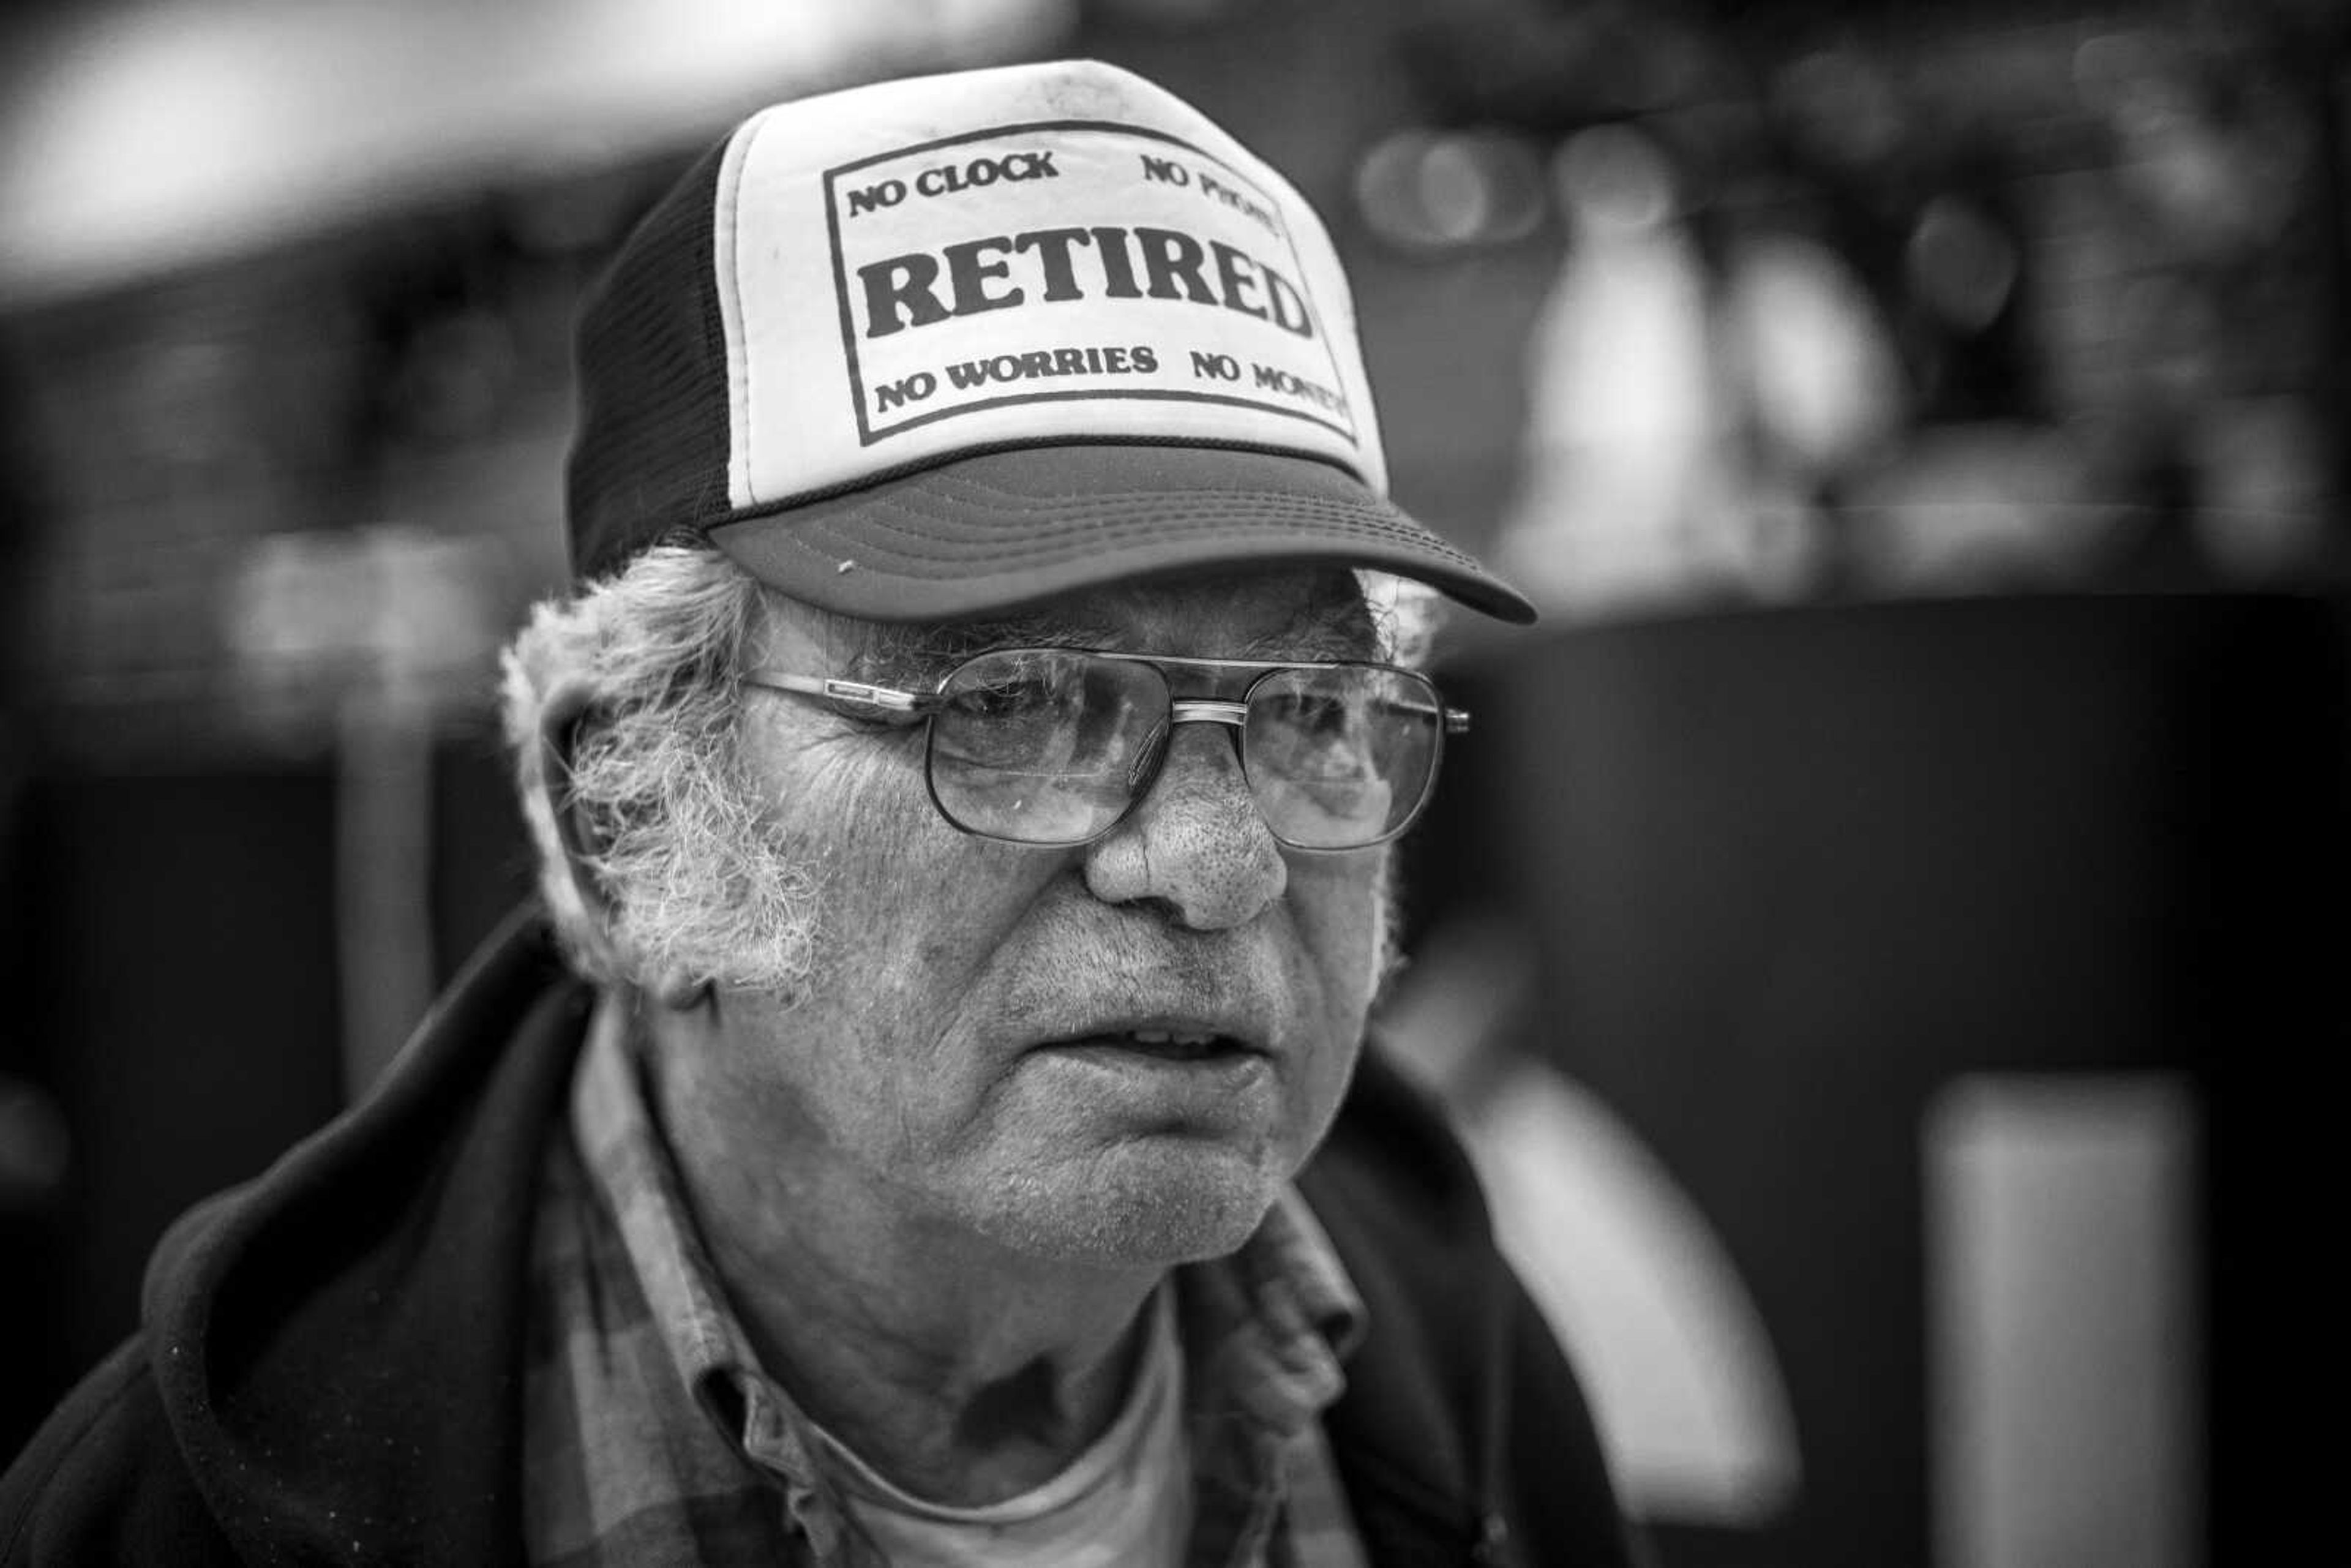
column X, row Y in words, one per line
column 1145, row 773
column 1206, row 710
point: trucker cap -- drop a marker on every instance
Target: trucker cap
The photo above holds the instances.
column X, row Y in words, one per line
column 948, row 345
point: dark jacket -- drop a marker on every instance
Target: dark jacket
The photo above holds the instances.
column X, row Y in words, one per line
column 329, row 1369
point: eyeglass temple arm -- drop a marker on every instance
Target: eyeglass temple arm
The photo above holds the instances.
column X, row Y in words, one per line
column 862, row 693
column 1455, row 719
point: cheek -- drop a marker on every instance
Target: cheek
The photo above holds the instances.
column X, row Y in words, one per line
column 1342, row 909
column 855, row 811
column 915, row 910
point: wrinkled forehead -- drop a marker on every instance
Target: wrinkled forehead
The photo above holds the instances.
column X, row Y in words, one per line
column 1303, row 613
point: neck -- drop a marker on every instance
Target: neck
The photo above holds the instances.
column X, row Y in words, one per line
column 960, row 1371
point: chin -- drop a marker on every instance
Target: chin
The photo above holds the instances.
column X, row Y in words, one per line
column 1155, row 1202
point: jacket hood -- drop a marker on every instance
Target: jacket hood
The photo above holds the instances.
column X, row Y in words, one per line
column 284, row 1317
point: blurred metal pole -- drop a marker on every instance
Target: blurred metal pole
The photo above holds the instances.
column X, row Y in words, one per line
column 384, row 840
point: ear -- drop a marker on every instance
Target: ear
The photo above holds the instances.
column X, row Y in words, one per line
column 568, row 707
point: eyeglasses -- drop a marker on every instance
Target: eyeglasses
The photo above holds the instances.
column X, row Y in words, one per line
column 1052, row 746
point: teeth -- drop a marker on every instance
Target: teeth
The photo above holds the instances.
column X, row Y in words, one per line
column 1170, row 1037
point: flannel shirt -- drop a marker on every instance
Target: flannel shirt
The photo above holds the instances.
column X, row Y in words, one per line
column 652, row 1435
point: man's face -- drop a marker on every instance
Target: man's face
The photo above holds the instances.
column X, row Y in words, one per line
column 993, row 1040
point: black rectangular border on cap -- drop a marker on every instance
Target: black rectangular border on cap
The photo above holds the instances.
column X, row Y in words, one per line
column 868, row 436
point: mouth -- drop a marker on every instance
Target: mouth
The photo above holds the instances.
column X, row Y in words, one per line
column 1173, row 1045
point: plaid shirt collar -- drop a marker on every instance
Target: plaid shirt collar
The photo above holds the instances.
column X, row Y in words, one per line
column 1264, row 1332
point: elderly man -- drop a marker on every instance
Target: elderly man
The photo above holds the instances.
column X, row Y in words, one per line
column 964, row 781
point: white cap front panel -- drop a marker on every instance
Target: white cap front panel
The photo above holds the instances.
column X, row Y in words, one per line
column 1055, row 252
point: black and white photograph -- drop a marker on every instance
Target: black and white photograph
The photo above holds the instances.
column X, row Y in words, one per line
column 1715, row 638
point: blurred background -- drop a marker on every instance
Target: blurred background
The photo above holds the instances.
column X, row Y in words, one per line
column 1877, row 934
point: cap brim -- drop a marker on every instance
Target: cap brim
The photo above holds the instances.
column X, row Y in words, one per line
column 1000, row 530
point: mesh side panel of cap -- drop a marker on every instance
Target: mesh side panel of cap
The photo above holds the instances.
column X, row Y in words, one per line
column 650, row 450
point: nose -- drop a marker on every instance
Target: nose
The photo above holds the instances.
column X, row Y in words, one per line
column 1193, row 845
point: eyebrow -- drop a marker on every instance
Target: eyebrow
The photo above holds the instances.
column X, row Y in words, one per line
column 918, row 651
column 1328, row 632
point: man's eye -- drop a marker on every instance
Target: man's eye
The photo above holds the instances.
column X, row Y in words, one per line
column 1316, row 714
column 1003, row 699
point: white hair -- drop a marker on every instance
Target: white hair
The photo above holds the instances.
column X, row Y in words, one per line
column 693, row 885
column 1407, row 614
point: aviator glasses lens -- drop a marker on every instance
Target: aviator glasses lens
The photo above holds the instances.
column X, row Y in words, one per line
column 1042, row 746
column 1341, row 756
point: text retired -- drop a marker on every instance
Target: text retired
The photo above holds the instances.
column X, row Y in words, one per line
column 999, row 271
